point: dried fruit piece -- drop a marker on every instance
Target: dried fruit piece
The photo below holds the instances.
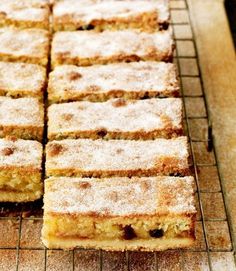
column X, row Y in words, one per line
column 129, row 233
column 156, row 233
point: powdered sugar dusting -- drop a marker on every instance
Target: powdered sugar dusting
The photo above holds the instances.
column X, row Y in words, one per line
column 25, row 10
column 28, row 78
column 89, row 44
column 136, row 76
column 86, row 154
column 20, row 153
column 21, row 112
column 119, row 196
column 141, row 115
column 87, row 11
column 27, row 42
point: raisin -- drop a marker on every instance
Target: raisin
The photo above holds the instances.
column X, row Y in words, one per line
column 176, row 175
column 129, row 232
column 157, row 233
column 8, row 151
column 86, row 27
column 145, row 96
column 102, row 132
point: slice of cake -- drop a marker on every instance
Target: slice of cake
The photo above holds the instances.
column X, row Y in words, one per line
column 149, row 214
column 25, row 13
column 101, row 82
column 116, row 119
column 20, row 170
column 22, row 80
column 101, row 158
column 110, row 15
column 22, row 118
column 85, row 48
column 27, row 45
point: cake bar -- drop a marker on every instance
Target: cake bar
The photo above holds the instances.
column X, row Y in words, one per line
column 24, row 13
column 102, row 158
column 149, row 214
column 110, row 15
column 85, row 48
column 101, row 82
column 20, row 170
column 22, row 80
column 116, row 119
column 22, row 118
column 27, row 45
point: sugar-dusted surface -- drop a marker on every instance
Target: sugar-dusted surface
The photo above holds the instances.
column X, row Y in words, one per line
column 117, row 156
column 88, row 47
column 27, row 45
column 120, row 196
column 21, row 112
column 68, row 82
column 82, row 13
column 21, row 79
column 116, row 115
column 20, row 153
column 24, row 13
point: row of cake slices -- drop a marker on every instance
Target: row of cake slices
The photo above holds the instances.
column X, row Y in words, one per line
column 81, row 219
column 103, row 193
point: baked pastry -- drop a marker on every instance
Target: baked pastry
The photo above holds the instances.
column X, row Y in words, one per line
column 85, row 48
column 22, row 80
column 101, row 82
column 25, row 13
column 20, row 170
column 102, row 158
column 116, row 119
column 27, row 45
column 150, row 214
column 22, row 118
column 110, row 15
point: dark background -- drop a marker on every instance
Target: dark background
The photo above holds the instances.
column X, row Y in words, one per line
column 230, row 6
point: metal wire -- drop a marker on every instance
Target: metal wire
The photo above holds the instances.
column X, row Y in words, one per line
column 21, row 210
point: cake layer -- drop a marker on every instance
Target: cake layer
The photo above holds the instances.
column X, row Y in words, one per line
column 101, row 158
column 116, row 119
column 152, row 213
column 22, row 80
column 100, row 82
column 22, row 118
column 24, row 13
column 27, row 45
column 110, row 15
column 85, row 48
column 20, row 170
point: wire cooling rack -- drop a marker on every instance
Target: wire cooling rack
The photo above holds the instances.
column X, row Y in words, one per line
column 20, row 225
